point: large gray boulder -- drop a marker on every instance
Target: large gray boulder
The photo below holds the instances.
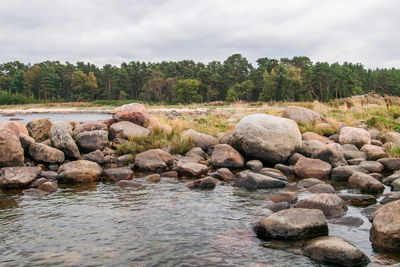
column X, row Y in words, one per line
column 11, row 151
column 18, row 177
column 366, row 183
column 60, row 136
column 309, row 147
column 304, row 115
column 204, row 141
column 354, row 136
column 126, row 129
column 89, row 141
column 267, row 138
column 331, row 153
column 46, row 154
column 312, row 168
column 154, row 160
column 80, row 171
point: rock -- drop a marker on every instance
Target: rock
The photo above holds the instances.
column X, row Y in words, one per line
column 355, row 136
column 26, row 141
column 294, row 158
column 373, row 152
column 312, row 168
column 89, row 127
column 34, row 192
column 191, row 169
column 14, row 126
column 331, row 153
column 357, row 199
column 321, row 188
column 285, row 196
column 376, row 143
column 287, row 170
column 204, row 141
column 226, row 156
column 37, row 182
column 300, row 114
column 390, row 164
column 153, row 178
column 223, row 174
column 203, row 183
column 391, row 137
column 80, row 171
column 126, row 130
column 48, row 187
column 11, row 151
column 91, row 141
column 134, row 112
column 18, row 177
column 275, row 207
column 117, row 174
column 330, row 204
column 386, row 227
column 254, row 165
column 125, row 159
column 39, row 129
column 293, row 224
column 60, row 136
column 377, row 176
column 335, row 250
column 365, row 183
column 388, row 180
column 225, row 138
column 305, row 183
column 267, row 138
column 154, row 160
column 273, row 174
column 369, row 212
column 46, row 154
column 355, row 161
column 392, row 196
column 395, row 185
column 196, row 152
column 95, row 156
column 343, row 173
column 371, row 166
column 349, row 147
column 46, row 142
column 170, row 174
column 314, row 136
column 252, row 181
column 129, row 183
column 309, row 147
column 334, row 138
column 50, row 175
column 349, row 221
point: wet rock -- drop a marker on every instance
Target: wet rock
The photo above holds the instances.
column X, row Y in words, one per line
column 305, row 183
column 272, row 173
column 226, row 156
column 395, row 185
column 154, row 160
column 371, row 166
column 392, row 196
column 203, row 183
column 126, row 130
column 335, row 250
column 134, row 112
column 93, row 140
column 348, row 221
column 357, row 199
column 275, row 207
column 18, row 177
column 285, row 196
column 304, row 115
column 191, row 169
column 50, row 175
column 315, row 136
column 46, row 154
column 366, row 183
column 170, row 174
column 309, row 147
column 252, row 181
column 343, row 173
column 60, row 135
column 373, row 152
column 294, row 158
column 287, row 170
column 48, row 187
column 321, row 188
column 312, row 168
column 153, row 178
column 80, row 171
column 204, row 141
column 390, row 164
column 88, row 127
column 35, row 192
column 330, row 204
column 354, row 136
column 11, row 151
column 38, row 182
column 26, row 141
column 386, row 227
column 223, row 174
column 254, row 165
column 331, row 153
column 39, row 129
column 267, row 138
column 95, row 156
column 116, row 174
column 128, row 183
column 293, row 224
column 388, row 180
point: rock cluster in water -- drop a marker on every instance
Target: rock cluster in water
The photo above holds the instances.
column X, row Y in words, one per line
column 39, row 156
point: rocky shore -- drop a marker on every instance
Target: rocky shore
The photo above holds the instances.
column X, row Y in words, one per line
column 262, row 152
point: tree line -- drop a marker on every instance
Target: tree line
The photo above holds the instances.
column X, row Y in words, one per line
column 296, row 79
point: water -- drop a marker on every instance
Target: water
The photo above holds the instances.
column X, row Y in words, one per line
column 163, row 224
column 80, row 117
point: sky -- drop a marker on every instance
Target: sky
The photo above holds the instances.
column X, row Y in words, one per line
column 112, row 32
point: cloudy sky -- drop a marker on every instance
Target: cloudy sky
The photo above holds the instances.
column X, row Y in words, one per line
column 101, row 32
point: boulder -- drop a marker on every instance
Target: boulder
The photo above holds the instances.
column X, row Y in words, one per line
column 252, row 181
column 46, row 154
column 18, row 177
column 204, row 141
column 223, row 174
column 38, row 182
column 315, row 136
column 300, row 114
column 153, row 178
column 357, row 199
column 95, row 156
column 373, row 152
column 390, row 164
column 371, row 166
column 26, row 141
column 308, row 182
column 285, row 196
column 292, row 224
column 134, row 112
column 49, row 175
column 374, row 133
column 309, row 147
column 321, row 188
column 170, row 174
column 348, row 221
column 369, row 212
column 48, row 187
column 355, row 161
column 395, row 185
column 275, row 207
column 392, row 196
column 80, row 171
column 330, row 204
column 226, row 156
column 203, row 183
column 14, row 126
column 388, row 180
column 376, row 142
column 294, row 158
column 39, row 129
column 116, row 174
column 386, row 227
column 267, row 138
column 335, row 250
column 331, row 153
column 191, row 169
column 391, row 137
column 11, row 151
column 354, row 136
column 254, row 165
column 126, row 130
column 154, row 160
column 312, row 168
column 225, row 138
column 343, row 173
column 88, row 127
column 366, row 183
column 60, row 136
column 287, row 170
column 196, row 152
column 91, row 141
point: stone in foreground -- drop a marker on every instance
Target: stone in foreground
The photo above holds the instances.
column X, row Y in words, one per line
column 335, row 250
column 80, row 171
column 18, row 177
column 366, row 183
column 293, row 224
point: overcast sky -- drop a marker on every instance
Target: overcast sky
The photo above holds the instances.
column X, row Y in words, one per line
column 101, row 32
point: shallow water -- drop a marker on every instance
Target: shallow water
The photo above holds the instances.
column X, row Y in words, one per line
column 80, row 117
column 163, row 224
